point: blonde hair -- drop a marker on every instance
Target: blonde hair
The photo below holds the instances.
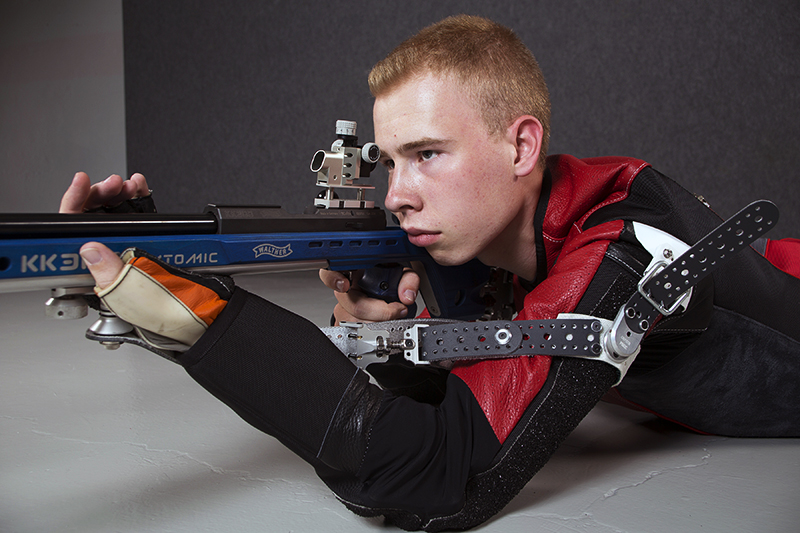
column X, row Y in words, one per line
column 498, row 71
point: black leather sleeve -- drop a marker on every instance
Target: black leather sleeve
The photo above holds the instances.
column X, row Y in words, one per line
column 282, row 375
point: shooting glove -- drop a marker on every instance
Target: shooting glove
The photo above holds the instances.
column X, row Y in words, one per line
column 142, row 204
column 169, row 308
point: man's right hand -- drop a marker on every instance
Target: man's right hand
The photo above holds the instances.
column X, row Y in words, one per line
column 355, row 306
column 82, row 195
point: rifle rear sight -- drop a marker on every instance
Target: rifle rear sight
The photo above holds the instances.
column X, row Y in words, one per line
column 342, row 166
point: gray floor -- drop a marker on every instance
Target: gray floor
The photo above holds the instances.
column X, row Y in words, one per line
column 94, row 441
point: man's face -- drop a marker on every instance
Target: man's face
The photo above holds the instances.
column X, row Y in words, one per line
column 451, row 184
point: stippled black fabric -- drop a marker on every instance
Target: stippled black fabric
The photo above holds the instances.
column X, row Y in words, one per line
column 573, row 388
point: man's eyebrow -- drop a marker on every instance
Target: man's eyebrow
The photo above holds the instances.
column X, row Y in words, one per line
column 425, row 141
column 412, row 146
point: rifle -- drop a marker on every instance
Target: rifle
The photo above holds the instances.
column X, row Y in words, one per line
column 40, row 251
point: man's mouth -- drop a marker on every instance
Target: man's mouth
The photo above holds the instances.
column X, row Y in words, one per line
column 421, row 238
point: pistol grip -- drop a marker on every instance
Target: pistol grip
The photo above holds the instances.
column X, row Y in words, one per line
column 382, row 281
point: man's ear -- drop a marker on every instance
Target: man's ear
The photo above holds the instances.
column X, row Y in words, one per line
column 526, row 133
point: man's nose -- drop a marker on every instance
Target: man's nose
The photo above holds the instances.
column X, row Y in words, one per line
column 402, row 194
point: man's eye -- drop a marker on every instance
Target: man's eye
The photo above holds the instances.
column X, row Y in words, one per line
column 389, row 164
column 427, row 154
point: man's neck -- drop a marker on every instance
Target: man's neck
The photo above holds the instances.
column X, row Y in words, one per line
column 514, row 249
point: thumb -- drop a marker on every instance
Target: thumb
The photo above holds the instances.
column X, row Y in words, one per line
column 408, row 287
column 103, row 264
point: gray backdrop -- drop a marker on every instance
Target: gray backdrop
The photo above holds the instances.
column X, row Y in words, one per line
column 226, row 102
column 62, row 101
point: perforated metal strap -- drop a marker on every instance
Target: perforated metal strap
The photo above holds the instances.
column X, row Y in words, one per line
column 668, row 280
column 498, row 338
column 569, row 335
column 665, row 288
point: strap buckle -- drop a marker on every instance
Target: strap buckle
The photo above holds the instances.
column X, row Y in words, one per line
column 651, row 272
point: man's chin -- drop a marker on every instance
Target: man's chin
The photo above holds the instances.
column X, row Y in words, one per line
column 447, row 258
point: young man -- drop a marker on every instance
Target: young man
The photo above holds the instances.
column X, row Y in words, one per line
column 462, row 117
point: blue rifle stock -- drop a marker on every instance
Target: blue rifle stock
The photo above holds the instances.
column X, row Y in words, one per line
column 41, row 251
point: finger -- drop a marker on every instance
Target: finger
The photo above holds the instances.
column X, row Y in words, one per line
column 141, row 189
column 75, row 197
column 107, row 192
column 334, row 280
column 135, row 187
column 363, row 308
column 340, row 315
column 104, row 265
column 408, row 287
column 129, row 190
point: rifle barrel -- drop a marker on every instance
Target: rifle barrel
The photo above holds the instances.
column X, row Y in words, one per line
column 215, row 219
column 49, row 225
